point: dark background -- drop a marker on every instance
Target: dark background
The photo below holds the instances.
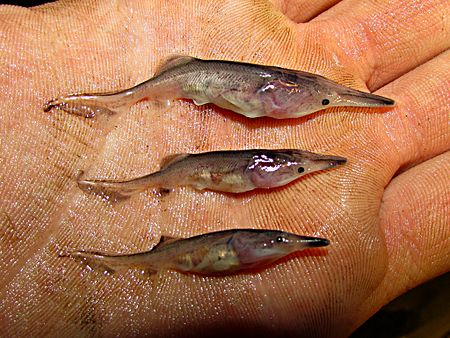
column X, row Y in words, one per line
column 23, row 3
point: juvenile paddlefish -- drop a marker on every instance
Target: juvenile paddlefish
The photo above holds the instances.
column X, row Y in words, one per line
column 248, row 89
column 227, row 171
column 215, row 253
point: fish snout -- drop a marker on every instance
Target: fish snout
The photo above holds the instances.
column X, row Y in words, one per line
column 326, row 162
column 334, row 161
column 304, row 242
column 355, row 98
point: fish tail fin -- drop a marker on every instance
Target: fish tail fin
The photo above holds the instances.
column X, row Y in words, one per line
column 109, row 103
column 98, row 262
column 109, row 264
column 90, row 105
column 119, row 190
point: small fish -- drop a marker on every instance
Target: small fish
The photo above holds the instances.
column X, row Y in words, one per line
column 233, row 171
column 215, row 253
column 248, row 89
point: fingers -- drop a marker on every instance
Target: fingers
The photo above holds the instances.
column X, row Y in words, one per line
column 303, row 10
column 386, row 39
column 415, row 214
column 418, row 126
column 293, row 294
column 415, row 217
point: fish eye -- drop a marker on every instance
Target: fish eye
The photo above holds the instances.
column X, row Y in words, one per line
column 325, row 102
column 279, row 239
column 300, row 170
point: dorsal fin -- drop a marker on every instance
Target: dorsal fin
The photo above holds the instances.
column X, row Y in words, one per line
column 172, row 62
column 164, row 240
column 171, row 159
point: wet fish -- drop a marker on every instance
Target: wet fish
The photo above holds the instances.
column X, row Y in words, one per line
column 248, row 89
column 227, row 171
column 222, row 252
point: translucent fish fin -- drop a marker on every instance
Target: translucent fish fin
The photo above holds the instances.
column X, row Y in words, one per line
column 116, row 190
column 164, row 240
column 171, row 159
column 167, row 238
column 93, row 104
column 108, row 190
column 97, row 261
column 200, row 102
column 172, row 62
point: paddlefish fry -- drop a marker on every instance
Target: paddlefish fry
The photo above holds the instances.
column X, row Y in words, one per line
column 244, row 88
column 215, row 253
column 232, row 171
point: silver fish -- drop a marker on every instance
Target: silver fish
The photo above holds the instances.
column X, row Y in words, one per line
column 248, row 89
column 215, row 253
column 227, row 171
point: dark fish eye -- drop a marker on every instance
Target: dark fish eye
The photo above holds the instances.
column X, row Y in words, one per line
column 300, row 170
column 325, row 102
column 279, row 239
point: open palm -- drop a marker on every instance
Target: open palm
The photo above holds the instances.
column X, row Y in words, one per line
column 386, row 212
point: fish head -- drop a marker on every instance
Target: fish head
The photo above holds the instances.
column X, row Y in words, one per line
column 276, row 168
column 255, row 247
column 294, row 94
column 332, row 94
column 304, row 162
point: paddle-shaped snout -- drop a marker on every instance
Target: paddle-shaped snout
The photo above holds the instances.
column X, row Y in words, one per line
column 349, row 97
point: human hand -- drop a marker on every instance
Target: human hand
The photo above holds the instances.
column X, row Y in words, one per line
column 386, row 212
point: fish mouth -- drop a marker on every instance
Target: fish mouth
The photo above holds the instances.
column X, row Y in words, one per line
column 356, row 98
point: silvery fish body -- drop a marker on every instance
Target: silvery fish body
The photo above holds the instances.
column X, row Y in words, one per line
column 233, row 171
column 248, row 89
column 216, row 253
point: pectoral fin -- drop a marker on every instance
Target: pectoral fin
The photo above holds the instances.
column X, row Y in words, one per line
column 200, row 102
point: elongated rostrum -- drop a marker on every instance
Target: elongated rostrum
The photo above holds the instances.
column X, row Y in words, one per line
column 215, row 253
column 227, row 171
column 248, row 89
